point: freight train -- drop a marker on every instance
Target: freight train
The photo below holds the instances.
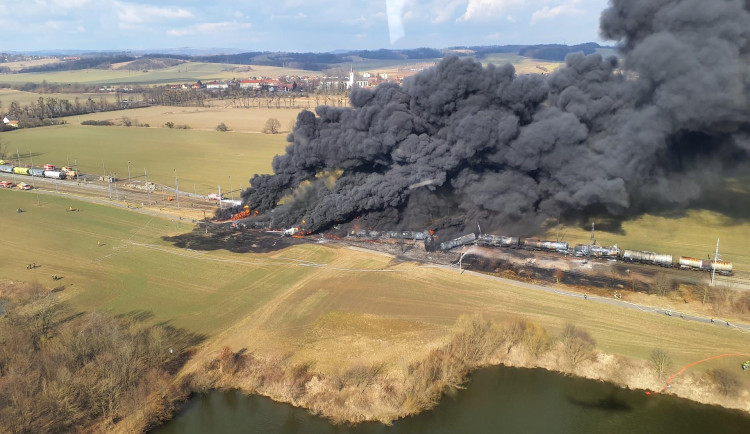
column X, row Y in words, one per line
column 591, row 250
column 49, row 171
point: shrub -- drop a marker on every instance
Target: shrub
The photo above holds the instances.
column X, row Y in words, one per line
column 222, row 127
column 98, row 123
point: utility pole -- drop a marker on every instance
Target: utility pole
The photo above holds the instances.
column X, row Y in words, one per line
column 205, row 222
column 114, row 177
column 18, row 156
column 177, row 188
column 593, row 238
column 128, row 171
column 220, row 208
column 109, row 186
column 104, row 171
column 713, row 265
column 231, row 190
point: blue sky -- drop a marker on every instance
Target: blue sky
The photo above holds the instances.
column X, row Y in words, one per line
column 293, row 25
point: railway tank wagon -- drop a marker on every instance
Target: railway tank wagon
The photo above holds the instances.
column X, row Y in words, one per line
column 722, row 267
column 498, row 241
column 54, row 174
column 460, row 241
column 554, row 246
column 6, row 168
column 597, row 251
column 646, row 257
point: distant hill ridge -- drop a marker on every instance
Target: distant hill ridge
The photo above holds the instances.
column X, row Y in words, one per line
column 308, row 61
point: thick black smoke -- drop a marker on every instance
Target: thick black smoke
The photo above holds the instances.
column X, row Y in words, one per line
column 509, row 151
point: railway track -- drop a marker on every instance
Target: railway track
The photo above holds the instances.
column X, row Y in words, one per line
column 119, row 192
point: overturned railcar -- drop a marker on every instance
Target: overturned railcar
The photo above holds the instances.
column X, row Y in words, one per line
column 460, row 241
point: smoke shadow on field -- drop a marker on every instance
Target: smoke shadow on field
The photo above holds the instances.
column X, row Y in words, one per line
column 245, row 241
column 609, row 403
column 732, row 202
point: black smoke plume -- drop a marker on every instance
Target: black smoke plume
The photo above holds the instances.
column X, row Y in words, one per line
column 464, row 143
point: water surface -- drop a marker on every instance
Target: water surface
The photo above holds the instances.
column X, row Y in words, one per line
column 497, row 400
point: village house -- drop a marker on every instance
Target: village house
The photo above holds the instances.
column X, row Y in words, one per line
column 10, row 122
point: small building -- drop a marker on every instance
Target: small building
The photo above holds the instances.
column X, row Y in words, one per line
column 10, row 122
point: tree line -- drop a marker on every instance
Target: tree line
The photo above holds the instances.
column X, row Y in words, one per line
column 63, row 371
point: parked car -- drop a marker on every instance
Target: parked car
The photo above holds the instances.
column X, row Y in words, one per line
column 6, row 184
column 23, row 186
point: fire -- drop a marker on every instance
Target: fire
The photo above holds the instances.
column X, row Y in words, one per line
column 432, row 231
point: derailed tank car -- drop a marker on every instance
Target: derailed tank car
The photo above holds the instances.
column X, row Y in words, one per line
column 646, row 257
column 597, row 251
column 498, row 241
column 556, row 246
column 460, row 241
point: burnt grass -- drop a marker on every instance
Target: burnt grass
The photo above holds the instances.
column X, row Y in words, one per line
column 228, row 238
column 618, row 275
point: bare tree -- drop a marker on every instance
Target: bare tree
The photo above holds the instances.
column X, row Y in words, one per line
column 661, row 361
column 272, row 126
column 578, row 345
column 662, row 285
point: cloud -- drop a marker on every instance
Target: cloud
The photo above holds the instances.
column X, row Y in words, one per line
column 569, row 7
column 444, row 10
column 487, row 9
column 131, row 14
column 201, row 28
column 297, row 16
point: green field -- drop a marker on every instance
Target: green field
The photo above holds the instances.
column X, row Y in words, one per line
column 247, row 120
column 203, row 159
column 189, row 72
column 8, row 96
column 324, row 303
column 693, row 235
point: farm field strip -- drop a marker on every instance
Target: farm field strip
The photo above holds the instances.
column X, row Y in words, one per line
column 202, row 159
column 225, row 295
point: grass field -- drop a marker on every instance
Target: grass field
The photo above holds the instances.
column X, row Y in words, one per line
column 202, row 158
column 7, row 96
column 330, row 305
column 693, row 235
column 245, row 120
column 189, row 72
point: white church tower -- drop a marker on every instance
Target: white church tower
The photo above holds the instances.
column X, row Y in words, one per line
column 350, row 83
